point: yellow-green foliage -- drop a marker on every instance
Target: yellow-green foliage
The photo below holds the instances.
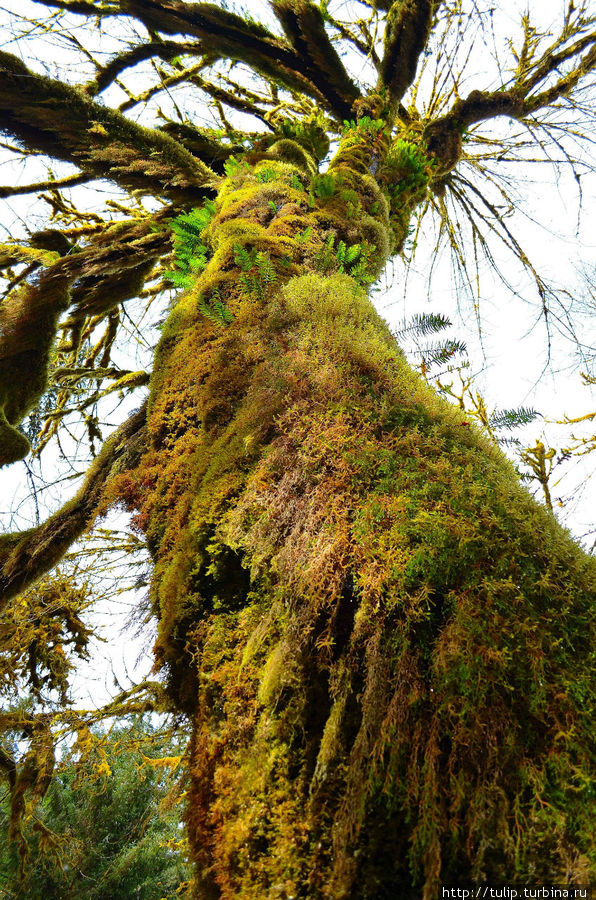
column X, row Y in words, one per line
column 405, row 174
column 39, row 633
column 383, row 642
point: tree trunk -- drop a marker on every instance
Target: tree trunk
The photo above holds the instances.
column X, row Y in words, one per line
column 379, row 636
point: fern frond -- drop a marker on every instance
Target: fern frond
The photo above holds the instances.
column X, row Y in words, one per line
column 512, row 418
column 423, row 324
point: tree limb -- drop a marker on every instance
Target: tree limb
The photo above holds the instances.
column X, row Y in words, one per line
column 304, row 26
column 69, row 181
column 166, row 50
column 61, row 121
column 406, row 35
column 26, row 556
column 230, row 36
column 94, row 280
column 443, row 135
column 84, row 7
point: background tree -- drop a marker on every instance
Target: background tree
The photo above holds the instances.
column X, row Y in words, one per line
column 372, row 628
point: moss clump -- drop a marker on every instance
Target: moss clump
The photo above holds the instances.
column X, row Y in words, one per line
column 292, row 152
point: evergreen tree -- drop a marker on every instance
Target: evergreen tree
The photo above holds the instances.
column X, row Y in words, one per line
column 105, row 836
column 382, row 645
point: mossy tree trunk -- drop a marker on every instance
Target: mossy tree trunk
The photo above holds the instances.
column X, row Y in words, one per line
column 383, row 644
column 359, row 607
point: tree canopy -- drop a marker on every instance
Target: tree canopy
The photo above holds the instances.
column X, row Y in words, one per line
column 371, row 629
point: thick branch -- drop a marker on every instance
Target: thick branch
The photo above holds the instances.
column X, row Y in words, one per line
column 93, row 281
column 233, row 37
column 443, row 135
column 25, row 557
column 518, row 102
column 304, row 26
column 28, row 322
column 214, row 153
column 63, row 122
column 406, row 35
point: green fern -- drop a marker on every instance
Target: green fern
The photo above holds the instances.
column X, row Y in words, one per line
column 441, row 353
column 190, row 253
column 264, row 176
column 323, row 186
column 258, row 270
column 355, row 259
column 213, row 307
column 303, row 236
column 233, row 166
column 365, row 125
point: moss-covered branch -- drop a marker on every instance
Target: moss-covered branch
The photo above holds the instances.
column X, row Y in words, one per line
column 28, row 322
column 110, row 270
column 199, row 142
column 406, row 34
column 304, row 25
column 53, row 184
column 522, row 100
column 165, row 50
column 233, row 37
column 85, row 7
column 61, row 121
column 26, row 556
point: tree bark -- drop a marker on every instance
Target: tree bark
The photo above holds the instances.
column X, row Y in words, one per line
column 380, row 638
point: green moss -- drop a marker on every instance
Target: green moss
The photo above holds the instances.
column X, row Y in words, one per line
column 293, row 153
column 14, row 445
